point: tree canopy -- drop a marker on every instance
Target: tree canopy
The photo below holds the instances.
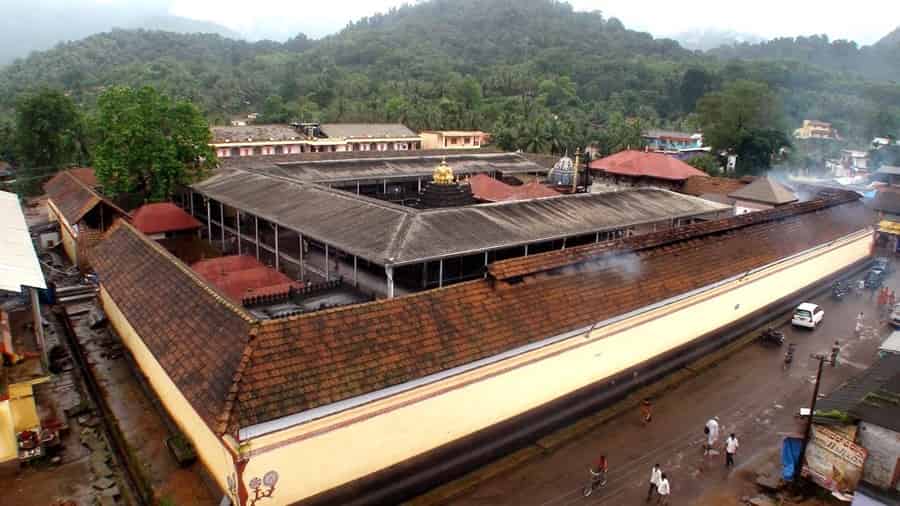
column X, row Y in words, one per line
column 149, row 143
column 49, row 130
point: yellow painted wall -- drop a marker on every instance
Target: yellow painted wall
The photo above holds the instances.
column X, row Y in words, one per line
column 22, row 407
column 8, row 449
column 66, row 234
column 210, row 450
column 334, row 457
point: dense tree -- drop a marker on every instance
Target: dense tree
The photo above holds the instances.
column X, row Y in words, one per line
column 707, row 163
column 744, row 119
column 149, row 143
column 49, row 131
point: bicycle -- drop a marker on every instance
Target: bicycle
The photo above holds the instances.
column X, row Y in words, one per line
column 598, row 479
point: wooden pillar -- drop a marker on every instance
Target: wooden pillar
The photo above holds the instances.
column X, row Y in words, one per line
column 355, row 275
column 384, row 190
column 526, row 250
column 192, row 203
column 389, row 277
column 485, row 258
column 256, row 233
column 238, row 224
column 327, row 273
column 441, row 273
column 420, row 184
column 564, row 243
column 277, row 255
column 209, row 220
column 597, row 238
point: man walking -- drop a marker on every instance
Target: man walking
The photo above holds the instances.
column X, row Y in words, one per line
column 663, row 490
column 731, row 446
column 712, row 434
column 859, row 324
column 655, row 477
column 646, row 411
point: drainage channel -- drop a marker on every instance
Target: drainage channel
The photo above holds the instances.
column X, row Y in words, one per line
column 135, row 492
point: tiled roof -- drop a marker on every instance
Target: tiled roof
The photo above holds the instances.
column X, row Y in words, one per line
column 367, row 131
column 646, row 164
column 267, row 162
column 85, row 175
column 700, row 185
column 765, row 190
column 309, row 361
column 486, row 188
column 73, row 196
column 244, row 276
column 873, row 396
column 521, row 266
column 196, row 334
column 299, row 363
column 254, row 133
column 389, row 234
column 162, row 217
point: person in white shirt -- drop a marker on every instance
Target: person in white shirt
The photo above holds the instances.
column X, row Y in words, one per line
column 712, row 434
column 655, row 476
column 663, row 490
column 731, row 446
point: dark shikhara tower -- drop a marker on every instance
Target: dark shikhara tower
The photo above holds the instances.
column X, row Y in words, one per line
column 444, row 190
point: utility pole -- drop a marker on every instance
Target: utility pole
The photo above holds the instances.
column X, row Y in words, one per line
column 812, row 409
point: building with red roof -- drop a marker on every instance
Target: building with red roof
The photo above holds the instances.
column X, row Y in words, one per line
column 487, row 189
column 641, row 168
column 164, row 219
column 241, row 277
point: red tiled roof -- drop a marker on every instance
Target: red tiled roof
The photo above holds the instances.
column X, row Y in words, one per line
column 307, row 361
column 702, row 185
column 243, row 276
column 85, row 175
column 162, row 217
column 489, row 189
column 647, row 164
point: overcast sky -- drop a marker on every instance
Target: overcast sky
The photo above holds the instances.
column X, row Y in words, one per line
column 864, row 21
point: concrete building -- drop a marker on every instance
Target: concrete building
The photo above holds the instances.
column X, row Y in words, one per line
column 453, row 139
column 863, row 415
column 763, row 193
column 669, row 141
column 813, row 129
column 23, row 358
column 428, row 385
column 267, row 140
column 83, row 213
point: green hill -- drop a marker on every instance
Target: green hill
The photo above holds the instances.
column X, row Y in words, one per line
column 460, row 64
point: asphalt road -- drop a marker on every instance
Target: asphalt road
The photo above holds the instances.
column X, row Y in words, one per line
column 750, row 392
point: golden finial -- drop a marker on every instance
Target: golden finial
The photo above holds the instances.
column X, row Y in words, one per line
column 443, row 174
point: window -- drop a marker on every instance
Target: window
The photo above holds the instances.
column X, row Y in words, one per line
column 257, row 150
column 802, row 314
column 279, row 150
column 453, row 140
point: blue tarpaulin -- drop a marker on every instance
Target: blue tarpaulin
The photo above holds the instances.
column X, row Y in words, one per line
column 790, row 457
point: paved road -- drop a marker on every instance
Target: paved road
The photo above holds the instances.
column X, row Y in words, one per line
column 750, row 393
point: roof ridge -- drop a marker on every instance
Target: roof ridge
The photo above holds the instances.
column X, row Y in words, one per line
column 196, row 278
column 232, row 402
column 517, row 267
column 97, row 195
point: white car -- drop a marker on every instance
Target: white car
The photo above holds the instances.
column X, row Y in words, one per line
column 807, row 315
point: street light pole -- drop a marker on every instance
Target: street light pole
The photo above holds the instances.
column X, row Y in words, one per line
column 812, row 409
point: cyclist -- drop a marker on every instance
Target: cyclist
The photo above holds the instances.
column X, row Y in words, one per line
column 598, row 475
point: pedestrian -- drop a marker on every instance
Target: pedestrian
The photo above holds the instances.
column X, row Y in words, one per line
column 882, row 300
column 646, row 411
column 731, row 446
column 859, row 324
column 860, row 286
column 712, row 434
column 655, row 477
column 835, row 350
column 663, row 490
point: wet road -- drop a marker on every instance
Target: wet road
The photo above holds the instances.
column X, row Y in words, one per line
column 750, row 392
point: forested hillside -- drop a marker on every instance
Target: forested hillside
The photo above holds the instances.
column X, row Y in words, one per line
column 533, row 70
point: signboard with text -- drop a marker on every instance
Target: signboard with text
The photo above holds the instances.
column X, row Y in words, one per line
column 833, row 461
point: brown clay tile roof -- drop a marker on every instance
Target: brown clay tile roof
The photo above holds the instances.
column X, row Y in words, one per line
column 242, row 276
column 85, row 175
column 765, row 190
column 197, row 335
column 486, row 188
column 239, row 373
column 74, row 196
column 700, row 185
column 313, row 360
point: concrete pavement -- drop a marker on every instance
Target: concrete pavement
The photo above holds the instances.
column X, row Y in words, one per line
column 748, row 390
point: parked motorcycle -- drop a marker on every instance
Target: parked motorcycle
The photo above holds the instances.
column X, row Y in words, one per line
column 840, row 290
column 772, row 336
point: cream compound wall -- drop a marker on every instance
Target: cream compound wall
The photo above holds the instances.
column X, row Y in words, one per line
column 67, row 236
column 326, row 453
column 210, row 449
